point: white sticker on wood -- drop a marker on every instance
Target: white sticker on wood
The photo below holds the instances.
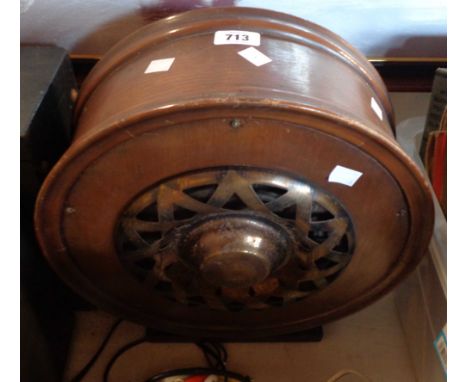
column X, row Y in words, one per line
column 160, row 65
column 236, row 38
column 375, row 106
column 254, row 56
column 344, row 175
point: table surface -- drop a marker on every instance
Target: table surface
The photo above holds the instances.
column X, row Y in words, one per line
column 370, row 342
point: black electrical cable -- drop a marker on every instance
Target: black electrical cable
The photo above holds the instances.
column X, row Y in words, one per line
column 121, row 351
column 199, row 371
column 80, row 375
column 215, row 354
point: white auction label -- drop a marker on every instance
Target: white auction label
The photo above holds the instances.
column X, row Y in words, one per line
column 377, row 110
column 344, row 175
column 236, row 38
column 254, row 56
column 160, row 65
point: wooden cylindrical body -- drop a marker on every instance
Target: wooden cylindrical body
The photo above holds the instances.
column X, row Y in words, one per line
column 252, row 103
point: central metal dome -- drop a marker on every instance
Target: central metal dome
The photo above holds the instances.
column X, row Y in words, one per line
column 235, row 251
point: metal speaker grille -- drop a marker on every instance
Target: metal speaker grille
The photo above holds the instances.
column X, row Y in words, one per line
column 154, row 224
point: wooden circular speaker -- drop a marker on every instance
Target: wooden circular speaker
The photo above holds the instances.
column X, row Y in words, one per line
column 234, row 171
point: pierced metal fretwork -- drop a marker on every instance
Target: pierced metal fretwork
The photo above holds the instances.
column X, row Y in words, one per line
column 152, row 226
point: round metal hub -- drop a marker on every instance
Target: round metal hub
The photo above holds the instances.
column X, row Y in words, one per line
column 235, row 239
column 235, row 251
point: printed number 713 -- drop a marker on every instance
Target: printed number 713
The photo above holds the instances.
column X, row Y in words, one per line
column 237, row 37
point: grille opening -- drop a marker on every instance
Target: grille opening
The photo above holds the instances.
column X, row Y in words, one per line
column 147, row 263
column 234, row 203
column 196, row 300
column 163, row 286
column 343, row 245
column 287, row 213
column 151, row 237
column 128, row 246
column 181, row 213
column 169, row 269
column 235, row 306
column 267, row 193
column 324, row 263
column 307, row 286
column 149, row 213
column 140, row 276
column 201, row 193
column 164, row 243
column 318, row 235
column 320, row 213
column 331, row 278
column 275, row 301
